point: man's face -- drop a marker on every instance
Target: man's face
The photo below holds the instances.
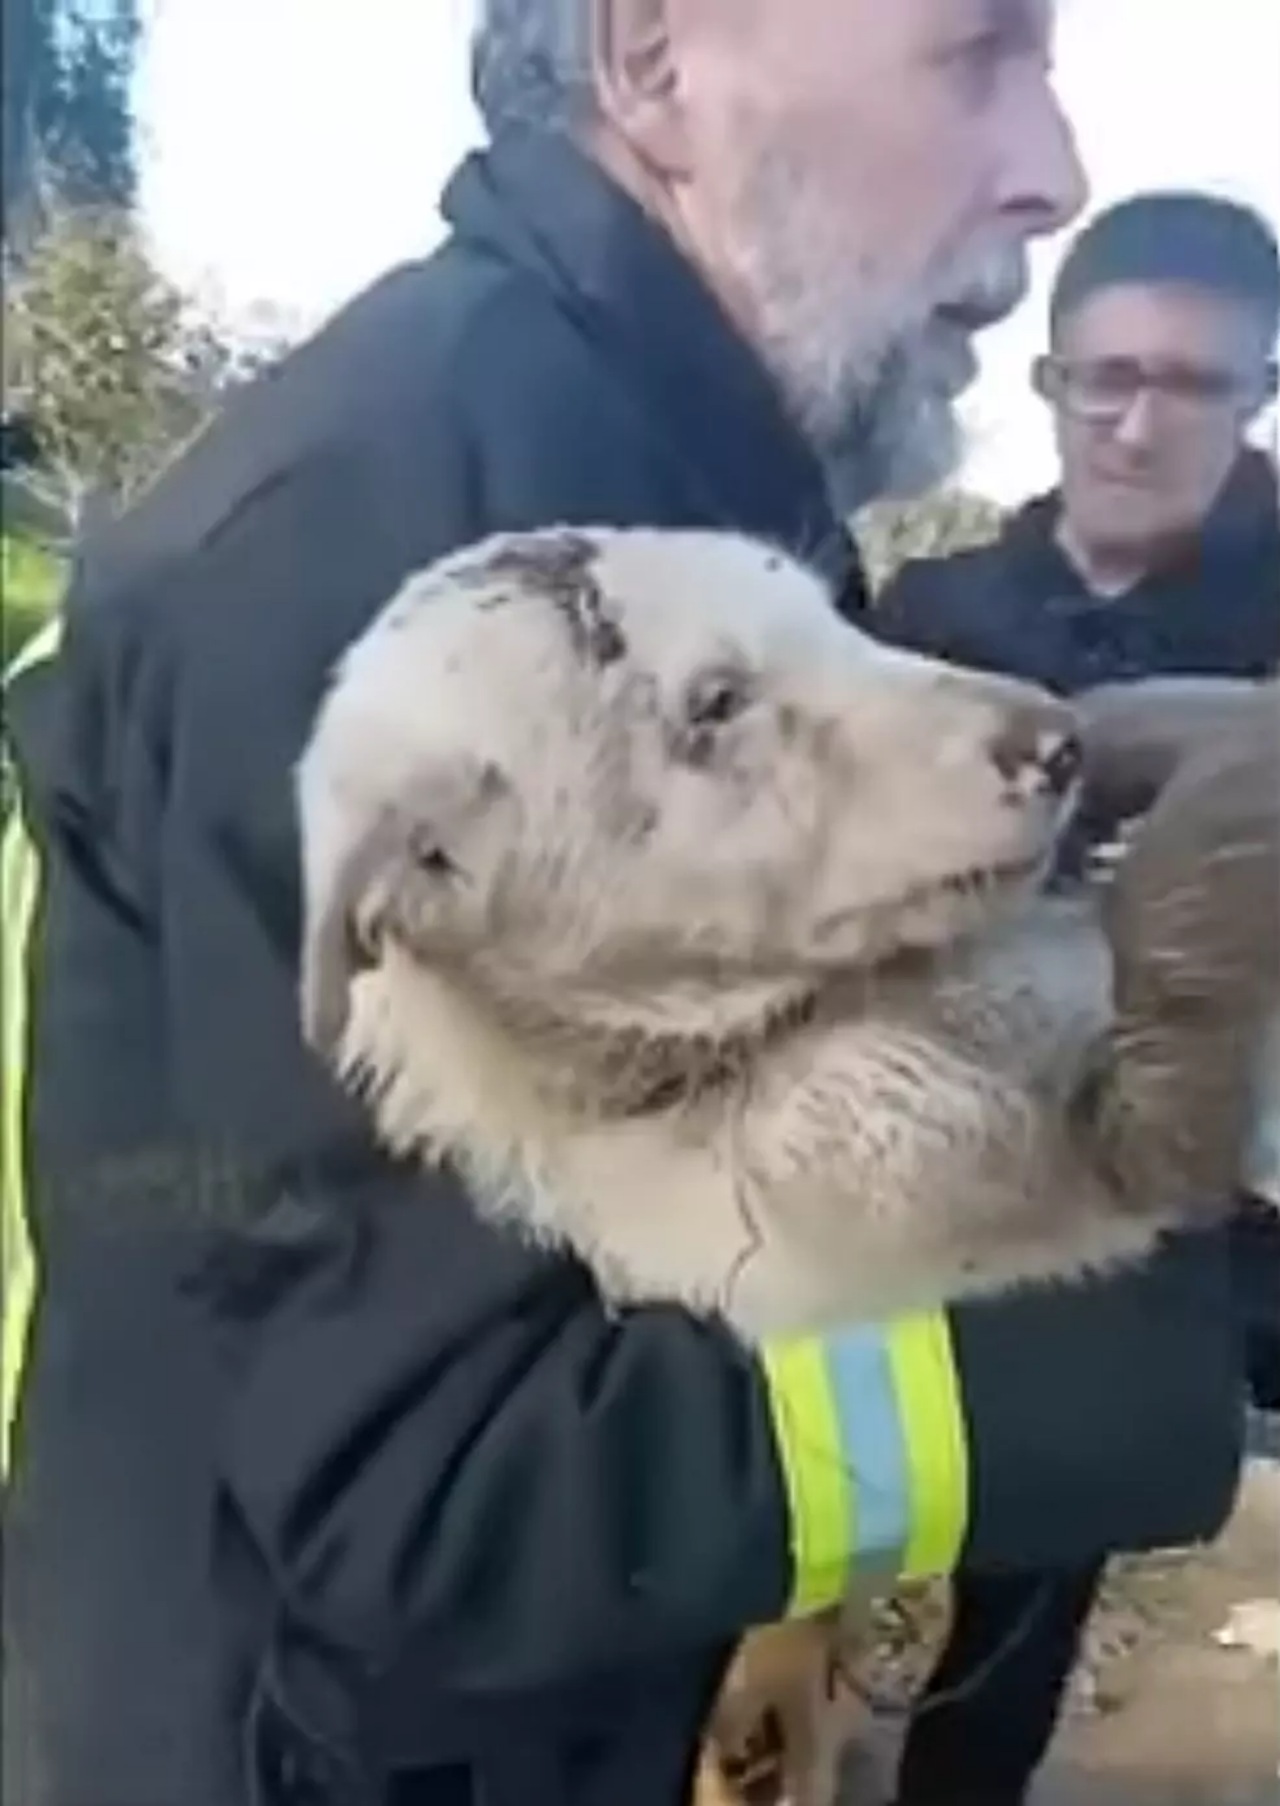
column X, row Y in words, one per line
column 866, row 174
column 1153, row 387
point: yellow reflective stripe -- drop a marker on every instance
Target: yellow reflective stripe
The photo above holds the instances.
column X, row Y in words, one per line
column 932, row 1414
column 19, row 899
column 873, row 1447
column 40, row 646
column 818, row 1483
column 19, row 894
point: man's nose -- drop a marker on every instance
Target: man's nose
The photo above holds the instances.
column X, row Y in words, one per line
column 1135, row 428
column 1048, row 186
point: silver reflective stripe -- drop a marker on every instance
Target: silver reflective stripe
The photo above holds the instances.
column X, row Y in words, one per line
column 873, row 1443
column 872, row 1436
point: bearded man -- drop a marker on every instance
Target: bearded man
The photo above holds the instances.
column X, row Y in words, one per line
column 380, row 1504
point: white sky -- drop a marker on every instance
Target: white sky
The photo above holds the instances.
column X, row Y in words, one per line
column 294, row 148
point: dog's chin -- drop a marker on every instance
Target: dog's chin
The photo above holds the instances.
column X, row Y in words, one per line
column 931, row 915
column 969, row 903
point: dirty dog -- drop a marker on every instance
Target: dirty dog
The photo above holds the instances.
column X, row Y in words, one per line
column 704, row 934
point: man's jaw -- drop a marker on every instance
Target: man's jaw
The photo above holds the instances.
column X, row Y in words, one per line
column 903, row 436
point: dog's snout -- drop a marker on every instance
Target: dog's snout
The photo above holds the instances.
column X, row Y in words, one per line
column 1039, row 750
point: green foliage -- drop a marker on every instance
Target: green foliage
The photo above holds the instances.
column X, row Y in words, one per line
column 101, row 354
column 68, row 124
column 889, row 534
column 31, row 580
column 87, row 123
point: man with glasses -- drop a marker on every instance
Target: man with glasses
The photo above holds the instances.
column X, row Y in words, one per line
column 1158, row 554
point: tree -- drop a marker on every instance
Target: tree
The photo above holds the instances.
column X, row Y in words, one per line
column 68, row 121
column 946, row 520
column 106, row 360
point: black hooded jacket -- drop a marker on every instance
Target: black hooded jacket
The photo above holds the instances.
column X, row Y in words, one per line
column 302, row 1441
column 1211, row 605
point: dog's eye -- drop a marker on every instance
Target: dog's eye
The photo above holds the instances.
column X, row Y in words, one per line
column 717, row 697
column 429, row 856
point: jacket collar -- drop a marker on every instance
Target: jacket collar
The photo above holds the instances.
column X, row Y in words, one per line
column 1242, row 529
column 535, row 200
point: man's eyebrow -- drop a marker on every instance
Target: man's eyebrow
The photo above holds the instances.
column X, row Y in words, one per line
column 1019, row 24
column 1025, row 24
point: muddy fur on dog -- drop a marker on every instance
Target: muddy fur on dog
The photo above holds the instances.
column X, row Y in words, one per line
column 705, row 934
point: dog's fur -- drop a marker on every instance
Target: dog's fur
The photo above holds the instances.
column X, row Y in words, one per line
column 704, row 933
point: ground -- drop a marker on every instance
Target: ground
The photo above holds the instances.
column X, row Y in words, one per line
column 1164, row 1714
column 1192, row 1723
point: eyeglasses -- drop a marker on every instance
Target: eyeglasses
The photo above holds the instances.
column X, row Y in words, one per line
column 1104, row 389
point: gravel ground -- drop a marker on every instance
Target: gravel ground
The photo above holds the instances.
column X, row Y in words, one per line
column 1162, row 1713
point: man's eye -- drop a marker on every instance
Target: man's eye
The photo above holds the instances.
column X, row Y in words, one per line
column 1108, row 376
column 976, row 62
column 1187, row 384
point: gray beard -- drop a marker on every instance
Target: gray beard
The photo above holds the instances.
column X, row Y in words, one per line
column 900, row 441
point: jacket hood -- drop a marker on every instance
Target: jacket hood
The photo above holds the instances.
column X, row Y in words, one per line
column 533, row 200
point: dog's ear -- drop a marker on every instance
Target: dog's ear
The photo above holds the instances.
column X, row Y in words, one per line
column 399, row 865
column 332, row 950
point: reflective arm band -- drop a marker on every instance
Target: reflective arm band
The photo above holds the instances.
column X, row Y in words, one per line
column 874, row 1452
column 19, row 890
column 19, row 897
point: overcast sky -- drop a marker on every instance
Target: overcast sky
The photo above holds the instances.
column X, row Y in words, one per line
column 294, row 148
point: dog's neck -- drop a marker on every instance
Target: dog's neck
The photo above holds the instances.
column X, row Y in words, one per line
column 624, row 1053
column 571, row 1055
column 617, row 1070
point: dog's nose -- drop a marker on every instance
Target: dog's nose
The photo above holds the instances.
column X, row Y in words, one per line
column 1035, row 751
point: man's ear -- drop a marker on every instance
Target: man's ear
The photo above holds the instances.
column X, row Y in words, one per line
column 397, row 866
column 636, row 76
column 1046, row 379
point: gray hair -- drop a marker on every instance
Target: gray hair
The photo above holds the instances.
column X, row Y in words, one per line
column 531, row 63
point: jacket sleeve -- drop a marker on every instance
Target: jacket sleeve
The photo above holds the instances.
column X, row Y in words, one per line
column 446, row 1442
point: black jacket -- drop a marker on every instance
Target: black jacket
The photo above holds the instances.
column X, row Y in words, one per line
column 1019, row 604
column 463, row 1518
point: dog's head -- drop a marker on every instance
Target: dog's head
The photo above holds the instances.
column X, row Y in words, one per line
column 651, row 770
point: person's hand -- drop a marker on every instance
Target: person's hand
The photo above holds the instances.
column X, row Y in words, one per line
column 1193, row 913
column 1194, row 932
column 1136, row 735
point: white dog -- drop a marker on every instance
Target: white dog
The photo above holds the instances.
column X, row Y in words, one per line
column 702, row 931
